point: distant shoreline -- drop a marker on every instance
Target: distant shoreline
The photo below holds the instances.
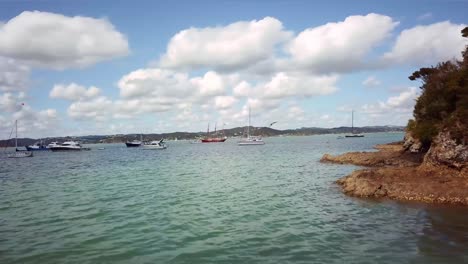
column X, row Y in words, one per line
column 230, row 133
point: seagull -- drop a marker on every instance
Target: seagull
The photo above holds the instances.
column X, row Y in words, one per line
column 273, row 123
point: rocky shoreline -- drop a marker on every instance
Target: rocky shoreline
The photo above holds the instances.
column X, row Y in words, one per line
column 398, row 174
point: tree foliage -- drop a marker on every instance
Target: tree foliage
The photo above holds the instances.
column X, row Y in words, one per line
column 443, row 104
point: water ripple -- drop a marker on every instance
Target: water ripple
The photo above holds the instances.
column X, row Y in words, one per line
column 197, row 203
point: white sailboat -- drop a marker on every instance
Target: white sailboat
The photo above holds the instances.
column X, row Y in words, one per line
column 250, row 140
column 353, row 134
column 19, row 153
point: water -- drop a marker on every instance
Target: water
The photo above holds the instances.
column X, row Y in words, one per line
column 213, row 203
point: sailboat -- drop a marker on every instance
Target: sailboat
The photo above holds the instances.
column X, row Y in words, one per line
column 353, row 134
column 19, row 153
column 212, row 139
column 251, row 140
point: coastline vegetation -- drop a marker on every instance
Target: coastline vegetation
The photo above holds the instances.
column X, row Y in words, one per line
column 443, row 103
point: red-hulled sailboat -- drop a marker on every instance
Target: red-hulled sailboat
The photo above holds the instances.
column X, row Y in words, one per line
column 212, row 139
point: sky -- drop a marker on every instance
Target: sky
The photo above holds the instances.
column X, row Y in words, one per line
column 88, row 67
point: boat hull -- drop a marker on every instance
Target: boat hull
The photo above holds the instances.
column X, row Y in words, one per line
column 250, row 143
column 20, row 154
column 132, row 145
column 354, row 136
column 55, row 149
column 154, row 147
column 37, row 148
column 213, row 140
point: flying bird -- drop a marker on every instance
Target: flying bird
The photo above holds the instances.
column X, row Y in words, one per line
column 273, row 123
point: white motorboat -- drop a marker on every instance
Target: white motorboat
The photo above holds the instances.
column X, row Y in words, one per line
column 250, row 140
column 67, row 146
column 155, row 145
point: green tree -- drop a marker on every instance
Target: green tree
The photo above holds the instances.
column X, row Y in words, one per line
column 443, row 104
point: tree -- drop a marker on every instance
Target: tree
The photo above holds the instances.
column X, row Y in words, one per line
column 443, row 104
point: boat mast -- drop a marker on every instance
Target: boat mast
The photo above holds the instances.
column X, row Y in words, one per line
column 248, row 128
column 352, row 121
column 208, row 130
column 16, row 135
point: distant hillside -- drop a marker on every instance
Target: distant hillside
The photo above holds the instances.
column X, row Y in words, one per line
column 233, row 132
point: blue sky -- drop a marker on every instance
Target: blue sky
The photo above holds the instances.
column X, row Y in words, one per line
column 104, row 67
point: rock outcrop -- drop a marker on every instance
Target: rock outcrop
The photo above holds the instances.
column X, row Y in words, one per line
column 412, row 144
column 445, row 151
column 440, row 176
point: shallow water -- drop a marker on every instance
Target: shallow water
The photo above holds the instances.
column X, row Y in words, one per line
column 213, row 203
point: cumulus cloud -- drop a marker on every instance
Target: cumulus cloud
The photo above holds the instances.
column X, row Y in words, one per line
column 73, row 92
column 242, row 89
column 371, row 81
column 97, row 109
column 403, row 103
column 225, row 102
column 340, row 46
column 286, row 85
column 425, row 45
column 31, row 122
column 211, row 84
column 60, row 41
column 13, row 75
column 296, row 113
column 159, row 82
column 233, row 46
column 11, row 102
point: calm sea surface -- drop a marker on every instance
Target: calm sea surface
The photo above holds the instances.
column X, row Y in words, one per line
column 213, row 203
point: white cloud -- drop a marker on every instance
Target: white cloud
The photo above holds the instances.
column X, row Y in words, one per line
column 233, row 46
column 242, row 89
column 224, row 102
column 286, row 85
column 296, row 113
column 157, row 82
column 13, row 75
column 403, row 103
column 97, row 109
column 10, row 102
column 425, row 45
column 31, row 122
column 340, row 46
column 211, row 84
column 73, row 92
column 59, row 41
column 371, row 81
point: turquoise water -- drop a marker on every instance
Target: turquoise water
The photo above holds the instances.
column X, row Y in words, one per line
column 213, row 203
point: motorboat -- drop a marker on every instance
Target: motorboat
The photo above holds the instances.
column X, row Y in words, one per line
column 52, row 144
column 67, row 146
column 155, row 145
column 38, row 146
column 133, row 143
